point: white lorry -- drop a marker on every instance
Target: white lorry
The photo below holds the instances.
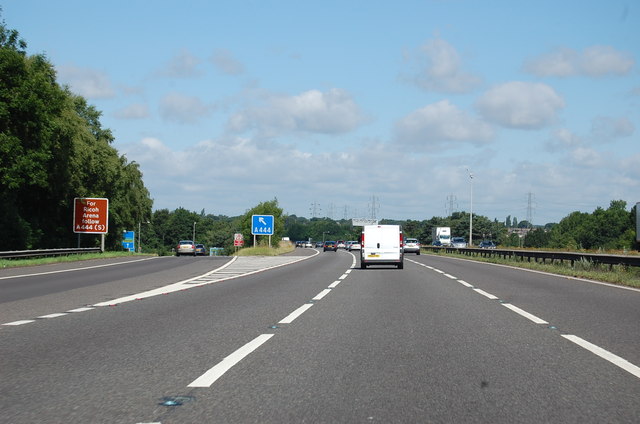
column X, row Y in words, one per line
column 381, row 245
column 441, row 236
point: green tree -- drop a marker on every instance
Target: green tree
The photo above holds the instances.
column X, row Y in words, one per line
column 52, row 149
column 264, row 208
column 537, row 238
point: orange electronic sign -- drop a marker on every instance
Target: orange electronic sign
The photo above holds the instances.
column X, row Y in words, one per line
column 90, row 215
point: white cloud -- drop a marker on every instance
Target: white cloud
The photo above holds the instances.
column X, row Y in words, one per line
column 441, row 69
column 585, row 157
column 330, row 112
column 629, row 167
column 134, row 111
column 226, row 63
column 605, row 128
column 440, row 124
column 236, row 173
column 562, row 139
column 522, row 105
column 183, row 109
column 182, row 65
column 89, row 83
column 594, row 61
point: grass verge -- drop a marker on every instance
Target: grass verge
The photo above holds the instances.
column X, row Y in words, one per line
column 14, row 263
column 283, row 248
column 626, row 276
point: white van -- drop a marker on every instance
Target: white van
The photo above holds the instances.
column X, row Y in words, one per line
column 381, row 245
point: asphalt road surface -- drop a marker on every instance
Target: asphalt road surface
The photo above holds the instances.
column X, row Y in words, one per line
column 310, row 337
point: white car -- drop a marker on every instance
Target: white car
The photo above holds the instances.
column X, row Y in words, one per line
column 411, row 245
column 459, row 242
column 354, row 245
column 186, row 247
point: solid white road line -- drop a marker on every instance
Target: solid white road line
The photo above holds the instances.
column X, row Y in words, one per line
column 343, row 276
column 605, row 354
column 209, row 377
column 295, row 314
column 525, row 314
column 77, row 269
column 451, row 276
column 85, row 309
column 322, row 294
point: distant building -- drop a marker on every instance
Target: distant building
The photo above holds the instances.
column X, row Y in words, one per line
column 521, row 232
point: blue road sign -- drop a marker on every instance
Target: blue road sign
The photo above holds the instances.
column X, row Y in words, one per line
column 129, row 239
column 262, row 225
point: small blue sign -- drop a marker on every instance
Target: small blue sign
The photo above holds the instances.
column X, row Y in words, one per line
column 128, row 242
column 262, row 225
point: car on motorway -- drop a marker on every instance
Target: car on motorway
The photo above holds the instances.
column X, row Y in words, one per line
column 201, row 250
column 308, row 244
column 319, row 244
column 458, row 242
column 354, row 245
column 340, row 244
column 487, row 244
column 411, row 245
column 330, row 245
column 186, row 247
column 437, row 243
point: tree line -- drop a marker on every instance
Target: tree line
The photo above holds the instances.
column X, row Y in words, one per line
column 53, row 148
column 607, row 229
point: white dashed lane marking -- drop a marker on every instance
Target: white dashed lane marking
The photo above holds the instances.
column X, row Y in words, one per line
column 237, row 267
column 210, row 377
column 597, row 350
column 295, row 314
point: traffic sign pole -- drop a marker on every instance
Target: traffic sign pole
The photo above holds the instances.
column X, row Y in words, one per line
column 262, row 225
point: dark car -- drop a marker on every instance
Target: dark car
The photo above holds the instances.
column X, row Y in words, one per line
column 330, row 245
column 201, row 250
column 437, row 243
column 487, row 245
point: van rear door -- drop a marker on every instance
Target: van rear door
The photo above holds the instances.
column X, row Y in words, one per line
column 381, row 245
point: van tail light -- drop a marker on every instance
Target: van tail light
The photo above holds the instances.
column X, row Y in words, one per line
column 401, row 241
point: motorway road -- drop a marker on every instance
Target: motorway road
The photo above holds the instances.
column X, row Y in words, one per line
column 314, row 339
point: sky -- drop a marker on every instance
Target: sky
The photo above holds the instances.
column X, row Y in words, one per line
column 342, row 109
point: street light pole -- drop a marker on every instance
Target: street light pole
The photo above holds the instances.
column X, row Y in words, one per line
column 471, row 211
column 139, row 234
column 194, row 232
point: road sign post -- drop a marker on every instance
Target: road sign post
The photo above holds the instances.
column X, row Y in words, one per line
column 91, row 216
column 129, row 240
column 262, row 225
column 238, row 240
